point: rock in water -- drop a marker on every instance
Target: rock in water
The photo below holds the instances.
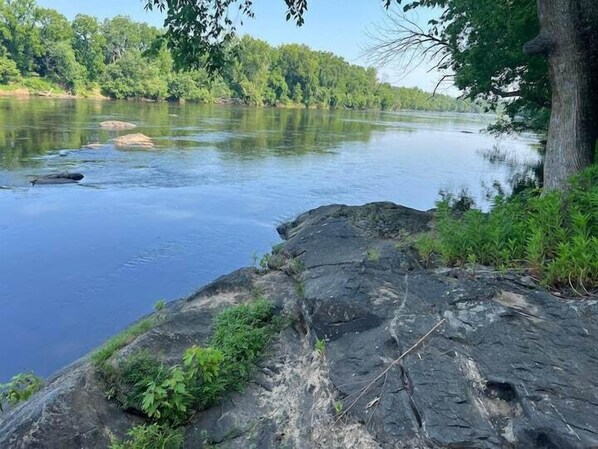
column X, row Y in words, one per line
column 131, row 141
column 115, row 124
column 59, row 178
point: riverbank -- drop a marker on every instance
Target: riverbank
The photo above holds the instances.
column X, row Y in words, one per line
column 378, row 352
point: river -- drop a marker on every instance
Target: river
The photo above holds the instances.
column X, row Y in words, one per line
column 80, row 262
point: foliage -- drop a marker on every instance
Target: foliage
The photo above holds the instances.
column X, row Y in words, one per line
column 241, row 333
column 185, row 387
column 151, row 436
column 169, row 395
column 481, row 42
column 132, row 76
column 8, row 70
column 101, row 355
column 130, row 61
column 555, row 235
column 20, row 388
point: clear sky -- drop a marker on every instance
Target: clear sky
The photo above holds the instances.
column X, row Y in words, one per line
column 338, row 26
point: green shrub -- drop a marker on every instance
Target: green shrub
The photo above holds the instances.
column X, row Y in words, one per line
column 151, row 436
column 169, row 395
column 172, row 399
column 554, row 235
column 20, row 388
column 8, row 70
column 241, row 333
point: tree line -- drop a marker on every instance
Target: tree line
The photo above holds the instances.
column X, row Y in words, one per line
column 123, row 59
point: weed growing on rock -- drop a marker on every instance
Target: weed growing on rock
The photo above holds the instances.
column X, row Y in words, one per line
column 241, row 333
column 151, row 436
column 299, row 289
column 338, row 407
column 169, row 395
column 100, row 356
column 426, row 245
column 373, row 254
column 264, row 261
column 160, row 305
column 320, row 347
column 185, row 387
column 296, row 267
column 19, row 388
column 553, row 235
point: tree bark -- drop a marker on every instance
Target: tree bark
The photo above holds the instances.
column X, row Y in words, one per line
column 569, row 38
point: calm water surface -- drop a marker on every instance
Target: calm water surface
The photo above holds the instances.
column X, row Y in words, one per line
column 80, row 262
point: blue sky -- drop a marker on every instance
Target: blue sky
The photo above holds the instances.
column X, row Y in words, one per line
column 338, row 26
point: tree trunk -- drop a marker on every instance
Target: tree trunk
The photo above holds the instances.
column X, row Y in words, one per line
column 569, row 38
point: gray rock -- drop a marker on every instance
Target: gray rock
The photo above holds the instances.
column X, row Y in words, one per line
column 59, row 178
column 509, row 366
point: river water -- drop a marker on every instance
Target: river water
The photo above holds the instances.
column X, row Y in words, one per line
column 80, row 262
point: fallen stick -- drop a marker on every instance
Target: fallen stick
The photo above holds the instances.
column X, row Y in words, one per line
column 383, row 373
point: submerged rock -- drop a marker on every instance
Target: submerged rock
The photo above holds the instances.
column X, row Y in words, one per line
column 509, row 365
column 58, row 178
column 131, row 141
column 115, row 124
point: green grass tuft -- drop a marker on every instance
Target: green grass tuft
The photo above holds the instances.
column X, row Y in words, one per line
column 101, row 355
column 151, row 436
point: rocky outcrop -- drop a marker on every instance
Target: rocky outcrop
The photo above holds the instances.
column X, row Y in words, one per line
column 508, row 365
column 116, row 125
column 132, row 141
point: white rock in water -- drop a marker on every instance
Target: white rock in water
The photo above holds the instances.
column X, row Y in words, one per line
column 133, row 141
column 115, row 124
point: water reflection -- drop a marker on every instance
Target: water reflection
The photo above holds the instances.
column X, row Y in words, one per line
column 79, row 262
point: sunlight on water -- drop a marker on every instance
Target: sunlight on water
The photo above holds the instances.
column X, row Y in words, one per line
column 80, row 262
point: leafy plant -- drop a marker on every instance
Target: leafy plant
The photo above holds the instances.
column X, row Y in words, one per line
column 338, row 407
column 241, row 333
column 151, row 436
column 160, row 305
column 553, row 235
column 168, row 395
column 20, row 388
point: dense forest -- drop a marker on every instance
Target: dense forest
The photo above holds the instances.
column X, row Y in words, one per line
column 122, row 59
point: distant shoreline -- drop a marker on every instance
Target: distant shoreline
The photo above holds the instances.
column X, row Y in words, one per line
column 19, row 91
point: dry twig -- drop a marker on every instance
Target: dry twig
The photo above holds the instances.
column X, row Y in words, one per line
column 383, row 373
